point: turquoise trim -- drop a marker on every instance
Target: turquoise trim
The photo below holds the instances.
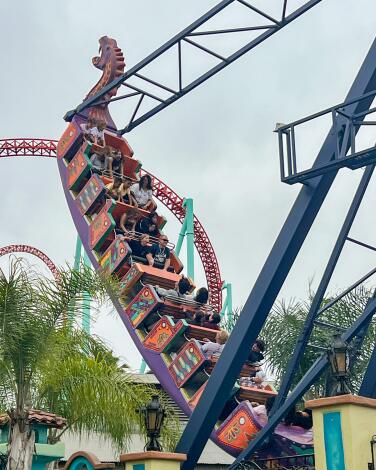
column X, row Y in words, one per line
column 78, row 463
column 335, row 458
column 187, row 229
column 138, row 466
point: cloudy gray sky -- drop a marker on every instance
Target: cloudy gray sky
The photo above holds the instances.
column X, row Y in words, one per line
column 215, row 145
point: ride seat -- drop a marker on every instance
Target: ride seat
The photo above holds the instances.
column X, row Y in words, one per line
column 260, row 395
column 245, row 372
column 148, row 275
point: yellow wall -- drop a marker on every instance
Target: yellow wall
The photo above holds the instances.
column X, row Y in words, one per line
column 358, row 425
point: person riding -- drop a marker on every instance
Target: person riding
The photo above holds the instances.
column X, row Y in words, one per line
column 149, row 225
column 115, row 189
column 143, row 193
column 215, row 349
column 140, row 247
column 89, row 129
column 255, row 355
column 182, row 287
column 213, row 321
column 159, row 254
column 115, row 163
column 127, row 223
column 127, row 196
column 99, row 161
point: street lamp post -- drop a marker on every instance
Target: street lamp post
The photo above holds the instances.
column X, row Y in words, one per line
column 153, row 416
column 338, row 357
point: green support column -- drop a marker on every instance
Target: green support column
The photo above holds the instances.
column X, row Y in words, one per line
column 187, row 229
column 188, row 203
column 142, row 367
column 86, row 302
column 86, row 297
column 227, row 304
column 181, row 237
column 77, row 254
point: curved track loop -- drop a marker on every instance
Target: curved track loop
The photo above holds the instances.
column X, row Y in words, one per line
column 6, row 250
column 27, row 148
column 47, row 148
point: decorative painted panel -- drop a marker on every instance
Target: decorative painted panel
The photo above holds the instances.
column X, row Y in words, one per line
column 145, row 302
column 78, row 167
column 90, row 193
column 239, row 428
column 102, row 225
column 67, row 140
column 163, row 334
column 130, row 279
column 189, row 360
column 115, row 255
column 334, row 454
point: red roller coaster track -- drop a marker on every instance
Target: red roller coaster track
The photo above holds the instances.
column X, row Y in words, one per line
column 47, row 148
column 7, row 250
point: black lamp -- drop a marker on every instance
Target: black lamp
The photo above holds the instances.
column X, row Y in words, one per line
column 153, row 416
column 339, row 363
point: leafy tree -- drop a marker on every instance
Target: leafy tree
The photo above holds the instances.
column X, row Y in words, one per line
column 45, row 363
column 286, row 321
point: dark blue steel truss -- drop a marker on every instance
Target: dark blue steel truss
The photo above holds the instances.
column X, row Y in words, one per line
column 162, row 96
column 269, row 283
column 309, row 378
column 368, row 387
column 318, row 298
column 344, row 125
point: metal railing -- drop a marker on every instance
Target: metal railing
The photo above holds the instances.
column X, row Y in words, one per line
column 344, row 127
column 291, row 462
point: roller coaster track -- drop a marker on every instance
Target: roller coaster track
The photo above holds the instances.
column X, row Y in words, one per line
column 26, row 147
column 7, row 250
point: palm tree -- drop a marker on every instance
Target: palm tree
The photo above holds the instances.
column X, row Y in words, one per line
column 286, row 321
column 46, row 363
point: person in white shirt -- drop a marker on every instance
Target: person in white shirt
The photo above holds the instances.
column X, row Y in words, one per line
column 101, row 126
column 182, row 287
column 215, row 349
column 143, row 193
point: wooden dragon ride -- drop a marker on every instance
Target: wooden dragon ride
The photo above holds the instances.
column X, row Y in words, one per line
column 170, row 346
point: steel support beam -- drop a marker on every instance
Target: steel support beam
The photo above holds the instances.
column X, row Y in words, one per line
column 309, row 323
column 268, row 284
column 310, row 377
column 176, row 41
column 368, row 387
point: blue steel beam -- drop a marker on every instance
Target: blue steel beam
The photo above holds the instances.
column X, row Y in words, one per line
column 368, row 387
column 309, row 323
column 269, row 283
column 189, row 32
column 309, row 378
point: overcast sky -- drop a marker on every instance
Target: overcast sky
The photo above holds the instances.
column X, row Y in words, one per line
column 215, row 145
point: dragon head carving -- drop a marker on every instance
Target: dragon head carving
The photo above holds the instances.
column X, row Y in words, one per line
column 111, row 62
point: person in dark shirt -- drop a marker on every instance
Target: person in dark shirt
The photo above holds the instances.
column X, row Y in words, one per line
column 159, row 254
column 196, row 319
column 213, row 322
column 149, row 225
column 140, row 248
column 255, row 355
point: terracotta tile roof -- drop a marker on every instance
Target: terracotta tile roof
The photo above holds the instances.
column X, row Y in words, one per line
column 40, row 417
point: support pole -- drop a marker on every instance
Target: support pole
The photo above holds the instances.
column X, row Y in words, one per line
column 181, row 237
column 302, row 341
column 77, row 254
column 188, row 204
column 267, row 287
column 187, row 229
column 86, row 302
column 142, row 366
column 227, row 304
column 86, row 297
